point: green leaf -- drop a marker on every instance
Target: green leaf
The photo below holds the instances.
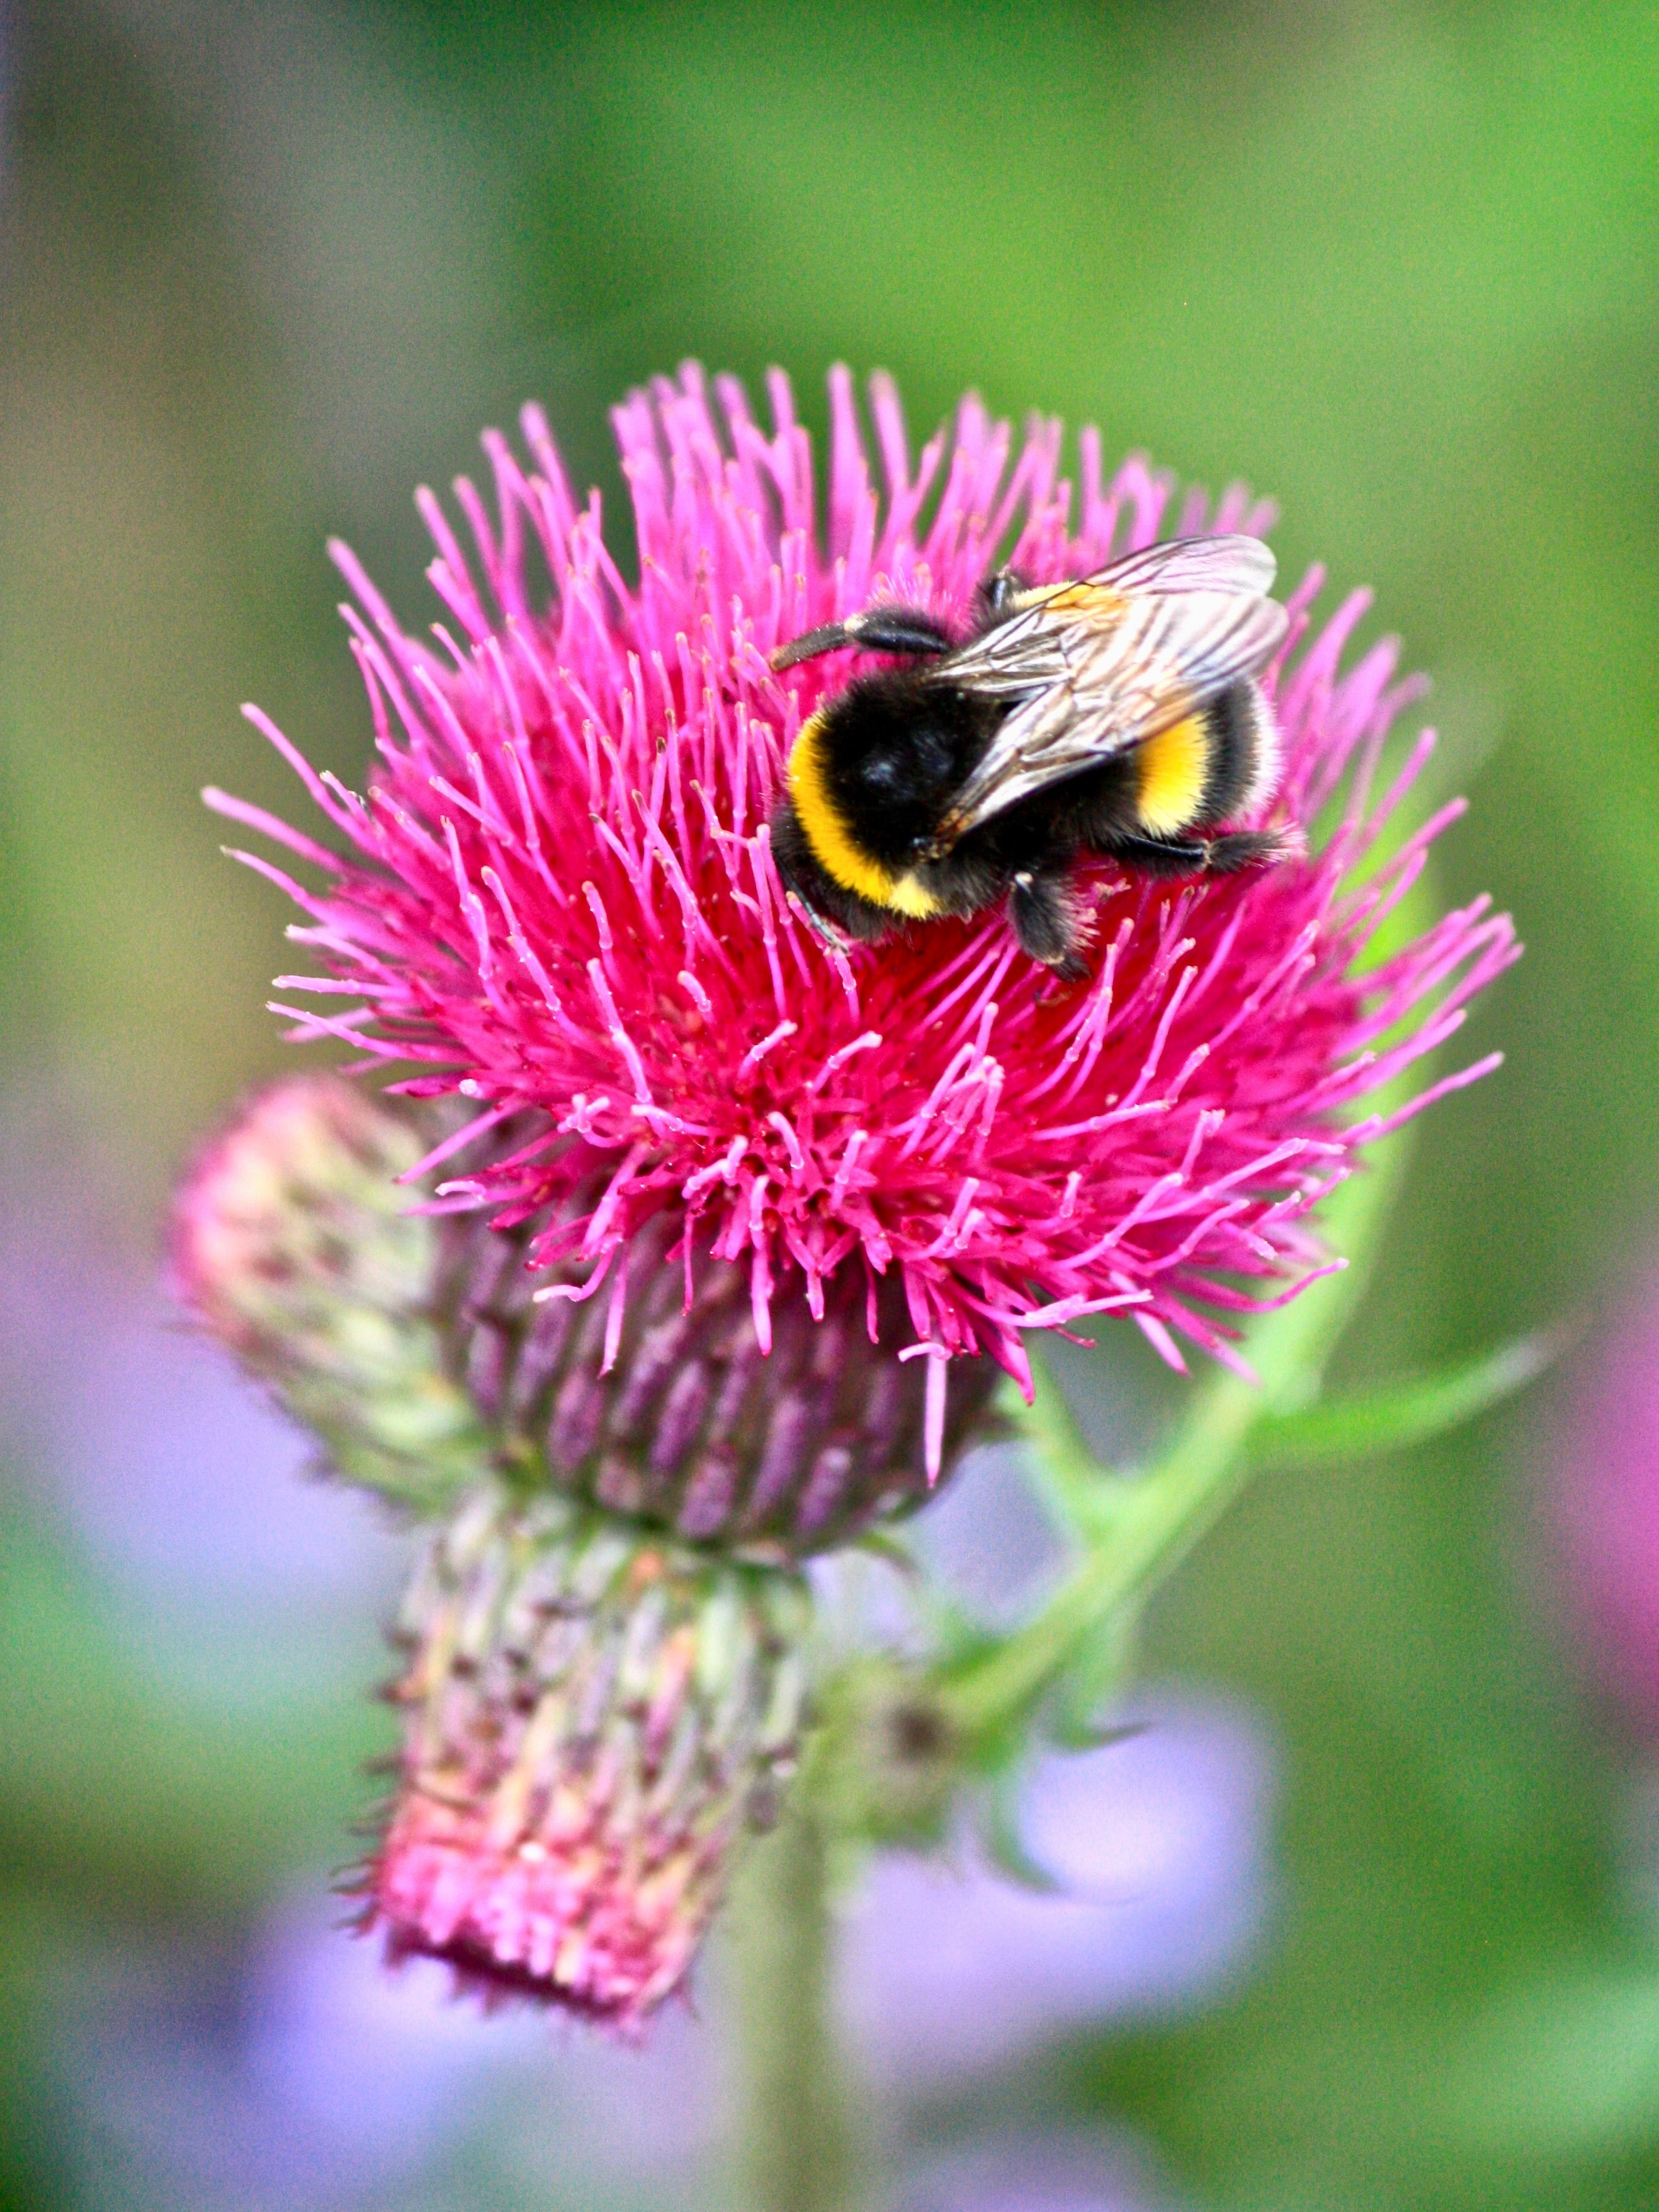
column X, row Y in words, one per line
column 1087, row 1687
column 1400, row 1413
column 1003, row 1845
column 882, row 1544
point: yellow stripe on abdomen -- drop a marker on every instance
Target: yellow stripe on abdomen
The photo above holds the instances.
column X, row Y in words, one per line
column 1174, row 768
column 832, row 847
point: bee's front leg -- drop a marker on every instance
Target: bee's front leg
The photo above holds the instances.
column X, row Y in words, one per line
column 815, row 922
column 1050, row 923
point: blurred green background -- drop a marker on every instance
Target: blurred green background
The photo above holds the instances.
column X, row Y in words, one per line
column 265, row 266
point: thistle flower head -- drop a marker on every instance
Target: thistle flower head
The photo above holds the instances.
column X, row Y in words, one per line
column 557, row 898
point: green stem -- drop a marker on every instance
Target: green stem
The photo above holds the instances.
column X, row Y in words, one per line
column 1136, row 1530
column 796, row 2134
column 797, row 2139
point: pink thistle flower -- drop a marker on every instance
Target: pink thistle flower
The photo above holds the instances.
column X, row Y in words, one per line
column 557, row 898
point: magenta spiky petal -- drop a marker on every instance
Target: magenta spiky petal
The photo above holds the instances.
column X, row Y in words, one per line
column 557, row 898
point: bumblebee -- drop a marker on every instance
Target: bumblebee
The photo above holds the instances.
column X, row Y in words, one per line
column 1118, row 715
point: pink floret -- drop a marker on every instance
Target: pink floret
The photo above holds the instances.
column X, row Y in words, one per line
column 584, row 1926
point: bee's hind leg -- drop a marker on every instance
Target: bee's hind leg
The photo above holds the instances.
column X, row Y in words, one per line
column 1050, row 923
column 1247, row 848
column 1224, row 854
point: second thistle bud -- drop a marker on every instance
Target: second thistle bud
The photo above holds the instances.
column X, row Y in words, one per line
column 594, row 1717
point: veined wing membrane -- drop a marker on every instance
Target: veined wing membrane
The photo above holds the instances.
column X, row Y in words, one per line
column 1195, row 564
column 1238, row 564
column 1093, row 670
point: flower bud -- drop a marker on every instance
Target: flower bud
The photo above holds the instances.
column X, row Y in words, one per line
column 292, row 1242
column 675, row 1411
column 593, row 1718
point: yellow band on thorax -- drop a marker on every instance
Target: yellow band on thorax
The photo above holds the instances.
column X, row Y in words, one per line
column 825, row 830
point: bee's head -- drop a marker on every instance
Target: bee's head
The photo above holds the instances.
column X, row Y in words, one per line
column 867, row 783
column 876, row 767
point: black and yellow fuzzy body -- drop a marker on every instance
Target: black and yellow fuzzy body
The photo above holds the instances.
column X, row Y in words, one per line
column 1115, row 717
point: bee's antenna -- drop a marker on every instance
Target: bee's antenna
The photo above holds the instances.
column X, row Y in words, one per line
column 877, row 630
column 828, row 640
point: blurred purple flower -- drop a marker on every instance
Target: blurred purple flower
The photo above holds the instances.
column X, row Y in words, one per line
column 1158, row 1847
column 1046, row 2172
column 1602, row 1507
column 300, row 2076
column 177, row 1476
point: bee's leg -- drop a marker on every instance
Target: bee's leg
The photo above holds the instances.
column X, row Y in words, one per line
column 1049, row 923
column 1222, row 855
column 815, row 922
column 898, row 629
column 1153, row 856
column 1249, row 848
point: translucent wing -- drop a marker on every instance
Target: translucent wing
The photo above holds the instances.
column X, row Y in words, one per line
column 1195, row 564
column 1093, row 668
